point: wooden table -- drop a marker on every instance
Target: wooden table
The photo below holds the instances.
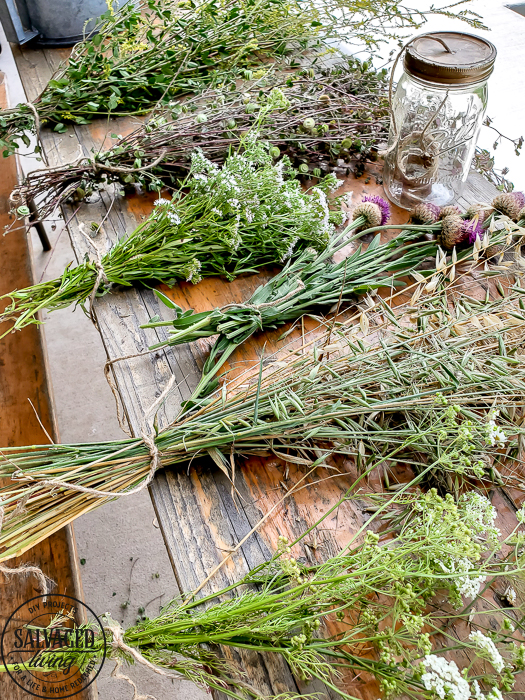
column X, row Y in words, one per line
column 200, row 518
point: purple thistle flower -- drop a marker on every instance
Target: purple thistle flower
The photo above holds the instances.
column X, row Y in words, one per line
column 381, row 203
column 472, row 230
column 519, row 198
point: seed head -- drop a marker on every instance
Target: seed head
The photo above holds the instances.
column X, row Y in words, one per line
column 371, row 212
column 425, row 213
column 452, row 232
column 510, row 204
column 448, row 210
column 480, row 211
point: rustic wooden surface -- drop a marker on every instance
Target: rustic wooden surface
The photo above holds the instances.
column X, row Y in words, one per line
column 23, row 378
column 200, row 519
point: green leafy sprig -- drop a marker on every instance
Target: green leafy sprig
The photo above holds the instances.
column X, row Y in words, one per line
column 382, row 608
column 142, row 55
column 224, row 221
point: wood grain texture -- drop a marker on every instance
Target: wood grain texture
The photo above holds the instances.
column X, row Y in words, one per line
column 23, row 379
column 200, row 518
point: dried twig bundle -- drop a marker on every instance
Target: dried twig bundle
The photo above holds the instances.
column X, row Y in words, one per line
column 323, row 119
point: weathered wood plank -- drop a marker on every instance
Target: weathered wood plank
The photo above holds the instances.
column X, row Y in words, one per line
column 23, row 378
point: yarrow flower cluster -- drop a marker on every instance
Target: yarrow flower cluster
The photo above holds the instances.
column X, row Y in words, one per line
column 445, row 679
column 488, row 649
column 494, row 434
column 251, row 192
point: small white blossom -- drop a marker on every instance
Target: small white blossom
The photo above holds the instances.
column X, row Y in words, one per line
column 174, row 218
column 520, row 515
column 511, row 596
column 476, row 691
column 494, row 694
column 161, row 202
column 488, row 649
column 494, row 435
column 445, row 679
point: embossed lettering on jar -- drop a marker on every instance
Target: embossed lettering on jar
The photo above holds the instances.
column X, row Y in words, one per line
column 437, row 112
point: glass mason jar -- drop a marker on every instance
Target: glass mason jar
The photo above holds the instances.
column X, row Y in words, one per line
column 436, row 115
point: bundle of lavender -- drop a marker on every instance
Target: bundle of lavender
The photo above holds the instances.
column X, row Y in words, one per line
column 444, row 395
column 223, row 221
column 381, row 610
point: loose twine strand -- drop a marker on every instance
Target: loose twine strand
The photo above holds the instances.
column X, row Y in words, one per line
column 118, row 644
column 45, row 584
column 395, row 130
column 107, row 367
column 97, row 262
column 148, row 438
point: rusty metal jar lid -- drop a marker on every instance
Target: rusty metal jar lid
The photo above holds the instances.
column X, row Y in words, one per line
column 450, row 58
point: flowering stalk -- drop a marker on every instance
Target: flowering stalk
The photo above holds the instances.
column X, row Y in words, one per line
column 391, row 595
column 229, row 221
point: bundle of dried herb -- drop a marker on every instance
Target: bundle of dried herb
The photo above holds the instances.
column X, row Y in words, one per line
column 427, row 394
column 144, row 54
column 322, row 119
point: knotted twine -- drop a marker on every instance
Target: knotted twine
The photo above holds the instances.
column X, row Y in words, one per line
column 148, row 438
column 118, row 644
column 101, row 274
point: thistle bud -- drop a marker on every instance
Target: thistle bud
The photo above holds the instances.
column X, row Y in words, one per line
column 325, row 99
column 370, row 211
column 449, row 210
column 479, row 211
column 510, row 204
column 452, row 232
column 383, row 205
column 425, row 213
column 309, row 123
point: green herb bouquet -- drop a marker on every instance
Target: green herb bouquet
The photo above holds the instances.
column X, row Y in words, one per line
column 382, row 609
column 443, row 395
column 224, row 221
column 146, row 53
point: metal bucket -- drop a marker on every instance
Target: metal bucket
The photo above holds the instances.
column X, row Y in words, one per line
column 63, row 22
